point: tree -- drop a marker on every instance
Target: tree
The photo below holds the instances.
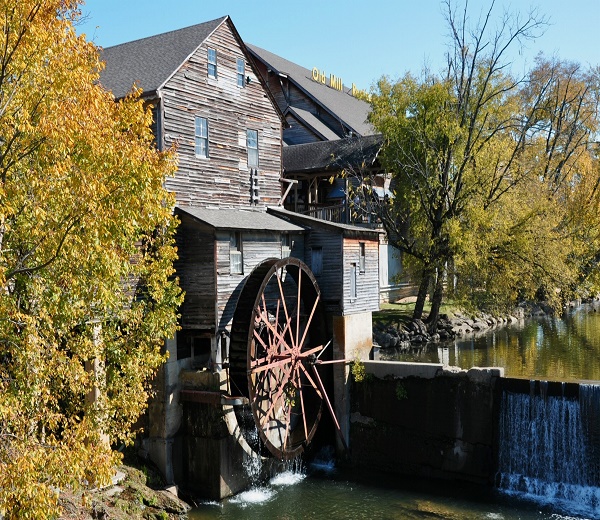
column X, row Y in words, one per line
column 469, row 148
column 87, row 292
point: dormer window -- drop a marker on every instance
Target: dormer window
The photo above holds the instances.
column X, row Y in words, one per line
column 212, row 63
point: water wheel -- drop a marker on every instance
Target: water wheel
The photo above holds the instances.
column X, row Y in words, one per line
column 278, row 335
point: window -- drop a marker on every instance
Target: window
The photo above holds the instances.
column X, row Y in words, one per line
column 201, row 137
column 241, row 72
column 252, row 146
column 212, row 63
column 317, row 260
column 194, row 344
column 353, row 291
column 286, row 245
column 236, row 264
column 361, row 258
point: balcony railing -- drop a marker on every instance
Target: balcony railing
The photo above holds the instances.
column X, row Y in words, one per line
column 335, row 213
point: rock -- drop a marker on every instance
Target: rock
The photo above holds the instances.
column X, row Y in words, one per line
column 480, row 325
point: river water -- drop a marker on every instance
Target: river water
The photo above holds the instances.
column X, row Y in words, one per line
column 556, row 349
column 566, row 349
column 337, row 496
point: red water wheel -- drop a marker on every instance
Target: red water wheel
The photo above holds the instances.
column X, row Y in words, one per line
column 278, row 337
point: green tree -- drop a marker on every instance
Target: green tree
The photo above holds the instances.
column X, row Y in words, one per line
column 86, row 250
column 480, row 161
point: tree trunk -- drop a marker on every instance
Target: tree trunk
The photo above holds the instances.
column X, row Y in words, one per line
column 422, row 294
column 436, row 302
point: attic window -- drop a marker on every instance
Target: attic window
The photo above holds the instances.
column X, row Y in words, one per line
column 212, row 63
column 241, row 72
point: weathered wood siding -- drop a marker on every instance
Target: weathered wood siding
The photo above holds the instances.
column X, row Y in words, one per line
column 330, row 278
column 297, row 133
column 196, row 271
column 257, row 246
column 367, row 282
column 222, row 179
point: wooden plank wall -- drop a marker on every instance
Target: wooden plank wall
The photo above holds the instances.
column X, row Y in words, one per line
column 297, row 133
column 196, row 271
column 331, row 278
column 367, row 283
column 223, row 179
column 256, row 247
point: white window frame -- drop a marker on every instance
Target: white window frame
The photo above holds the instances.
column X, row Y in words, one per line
column 236, row 258
column 286, row 245
column 201, row 137
column 362, row 257
column 353, row 282
column 241, row 72
column 252, row 147
column 211, row 55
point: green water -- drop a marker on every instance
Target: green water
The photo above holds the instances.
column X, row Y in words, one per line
column 558, row 349
column 344, row 497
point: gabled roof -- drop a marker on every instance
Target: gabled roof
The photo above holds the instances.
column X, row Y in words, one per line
column 238, row 219
column 331, row 155
column 149, row 62
column 350, row 110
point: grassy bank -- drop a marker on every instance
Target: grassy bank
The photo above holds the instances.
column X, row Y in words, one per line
column 400, row 313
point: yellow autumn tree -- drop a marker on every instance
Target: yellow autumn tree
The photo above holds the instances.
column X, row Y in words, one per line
column 87, row 292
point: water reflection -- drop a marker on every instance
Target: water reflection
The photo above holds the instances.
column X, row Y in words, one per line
column 564, row 349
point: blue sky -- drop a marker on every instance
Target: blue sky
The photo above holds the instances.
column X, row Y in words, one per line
column 358, row 41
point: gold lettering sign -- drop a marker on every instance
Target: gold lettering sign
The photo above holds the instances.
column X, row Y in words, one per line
column 336, row 82
column 320, row 77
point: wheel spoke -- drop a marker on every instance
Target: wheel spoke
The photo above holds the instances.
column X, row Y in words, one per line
column 276, row 334
column 288, row 420
column 261, row 368
column 332, row 413
column 280, row 391
column 310, row 380
column 307, row 326
column 282, row 294
column 298, row 307
column 302, row 403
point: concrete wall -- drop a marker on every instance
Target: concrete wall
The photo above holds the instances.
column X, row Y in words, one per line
column 424, row 420
column 352, row 339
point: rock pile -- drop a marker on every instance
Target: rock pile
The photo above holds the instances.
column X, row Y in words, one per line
column 449, row 327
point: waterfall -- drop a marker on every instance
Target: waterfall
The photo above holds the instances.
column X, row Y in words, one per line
column 549, row 448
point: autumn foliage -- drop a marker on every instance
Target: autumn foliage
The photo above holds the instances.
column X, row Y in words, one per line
column 87, row 293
